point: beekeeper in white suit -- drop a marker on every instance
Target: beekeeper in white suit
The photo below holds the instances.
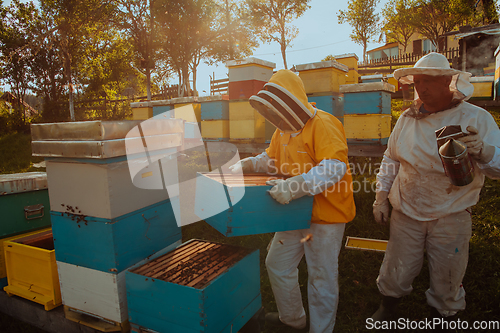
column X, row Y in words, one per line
column 310, row 147
column 429, row 213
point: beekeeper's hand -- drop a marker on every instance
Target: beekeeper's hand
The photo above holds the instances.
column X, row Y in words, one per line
column 477, row 148
column 287, row 190
column 381, row 207
column 243, row 166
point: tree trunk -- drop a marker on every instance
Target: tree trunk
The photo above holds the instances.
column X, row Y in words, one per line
column 283, row 48
column 70, row 87
column 194, row 82
column 148, row 81
column 364, row 52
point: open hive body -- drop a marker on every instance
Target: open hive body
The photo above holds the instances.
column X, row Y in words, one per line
column 237, row 206
column 32, row 270
column 199, row 287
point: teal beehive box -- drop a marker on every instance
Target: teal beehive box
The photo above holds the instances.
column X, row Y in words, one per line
column 333, row 103
column 113, row 245
column 201, row 287
column 237, row 206
column 24, row 203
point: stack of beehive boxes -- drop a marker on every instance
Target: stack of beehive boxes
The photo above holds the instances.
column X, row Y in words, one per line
column 215, row 117
column 351, row 61
column 322, row 81
column 367, row 112
column 103, row 221
column 246, row 78
column 25, row 207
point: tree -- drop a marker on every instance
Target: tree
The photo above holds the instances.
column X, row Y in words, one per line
column 271, row 20
column 328, row 58
column 69, row 20
column 234, row 38
column 18, row 23
column 185, row 31
column 362, row 18
column 134, row 17
column 397, row 16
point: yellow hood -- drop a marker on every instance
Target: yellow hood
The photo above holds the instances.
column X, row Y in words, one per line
column 292, row 82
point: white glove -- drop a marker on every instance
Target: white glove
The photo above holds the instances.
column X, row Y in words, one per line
column 243, row 166
column 381, row 207
column 477, row 148
column 287, row 190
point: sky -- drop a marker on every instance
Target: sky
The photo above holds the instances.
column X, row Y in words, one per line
column 319, row 35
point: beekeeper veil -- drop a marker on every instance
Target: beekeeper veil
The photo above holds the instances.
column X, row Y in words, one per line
column 436, row 64
column 283, row 102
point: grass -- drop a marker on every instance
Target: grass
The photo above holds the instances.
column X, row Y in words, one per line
column 15, row 154
column 359, row 296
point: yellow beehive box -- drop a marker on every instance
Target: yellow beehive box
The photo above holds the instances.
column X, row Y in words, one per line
column 367, row 128
column 215, row 129
column 190, row 112
column 242, row 110
column 141, row 110
column 142, row 113
column 324, row 76
column 483, row 87
column 3, row 270
column 32, row 269
column 248, row 130
column 246, row 124
column 351, row 61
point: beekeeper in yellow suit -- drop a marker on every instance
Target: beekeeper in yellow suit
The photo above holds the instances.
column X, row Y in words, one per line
column 310, row 146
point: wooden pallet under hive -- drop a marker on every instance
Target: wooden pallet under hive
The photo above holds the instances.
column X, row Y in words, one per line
column 199, row 287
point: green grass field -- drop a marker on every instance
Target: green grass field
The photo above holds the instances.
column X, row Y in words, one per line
column 359, row 296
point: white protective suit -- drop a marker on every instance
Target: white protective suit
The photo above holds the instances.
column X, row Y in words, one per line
column 428, row 211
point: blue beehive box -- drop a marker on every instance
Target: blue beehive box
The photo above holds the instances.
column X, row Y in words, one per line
column 113, row 245
column 237, row 207
column 332, row 103
column 215, row 110
column 199, row 287
column 367, row 98
column 159, row 109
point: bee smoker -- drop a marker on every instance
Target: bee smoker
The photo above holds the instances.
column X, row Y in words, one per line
column 456, row 161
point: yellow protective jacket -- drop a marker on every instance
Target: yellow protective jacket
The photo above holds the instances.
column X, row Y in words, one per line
column 322, row 138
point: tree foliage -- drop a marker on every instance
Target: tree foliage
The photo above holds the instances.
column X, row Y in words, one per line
column 397, row 16
column 271, row 20
column 361, row 16
column 18, row 23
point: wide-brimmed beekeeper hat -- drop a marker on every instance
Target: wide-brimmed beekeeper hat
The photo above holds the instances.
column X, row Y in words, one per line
column 436, row 64
column 283, row 102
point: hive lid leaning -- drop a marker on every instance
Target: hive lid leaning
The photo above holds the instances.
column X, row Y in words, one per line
column 22, row 182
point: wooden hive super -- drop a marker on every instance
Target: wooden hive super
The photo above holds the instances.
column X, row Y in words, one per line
column 199, row 287
column 237, row 207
